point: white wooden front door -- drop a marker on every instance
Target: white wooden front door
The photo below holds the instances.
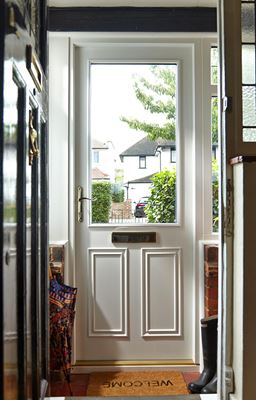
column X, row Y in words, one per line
column 136, row 301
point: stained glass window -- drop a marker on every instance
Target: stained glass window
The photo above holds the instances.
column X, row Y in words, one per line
column 248, row 70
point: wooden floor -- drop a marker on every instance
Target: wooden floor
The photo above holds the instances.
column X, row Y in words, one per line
column 79, row 382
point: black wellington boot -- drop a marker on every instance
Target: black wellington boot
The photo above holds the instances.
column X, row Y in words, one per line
column 209, row 344
column 211, row 387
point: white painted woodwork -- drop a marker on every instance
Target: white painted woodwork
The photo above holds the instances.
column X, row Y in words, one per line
column 107, row 306
column 59, row 139
column 161, row 310
column 238, row 276
column 231, row 63
column 170, row 334
column 244, row 278
column 63, row 217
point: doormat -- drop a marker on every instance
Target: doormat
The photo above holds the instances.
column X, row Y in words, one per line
column 147, row 383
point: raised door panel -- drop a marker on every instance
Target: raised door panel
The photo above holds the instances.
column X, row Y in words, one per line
column 24, row 183
column 161, row 292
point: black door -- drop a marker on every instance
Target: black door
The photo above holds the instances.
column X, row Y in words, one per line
column 23, row 201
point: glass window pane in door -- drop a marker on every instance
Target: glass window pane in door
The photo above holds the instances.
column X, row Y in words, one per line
column 248, row 64
column 249, row 134
column 249, row 106
column 133, row 128
column 248, row 23
column 215, row 165
column 248, row 70
column 214, row 65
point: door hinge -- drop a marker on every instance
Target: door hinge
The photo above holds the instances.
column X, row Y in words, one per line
column 229, row 380
column 228, row 210
column 226, row 104
column 12, row 21
column 79, row 199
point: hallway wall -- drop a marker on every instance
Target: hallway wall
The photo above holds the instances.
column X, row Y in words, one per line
column 58, row 138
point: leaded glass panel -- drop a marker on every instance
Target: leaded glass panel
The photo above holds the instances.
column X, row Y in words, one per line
column 249, row 134
column 249, row 106
column 248, row 70
column 248, row 64
column 248, row 23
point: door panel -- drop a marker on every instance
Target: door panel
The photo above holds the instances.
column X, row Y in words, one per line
column 161, row 291
column 136, row 300
column 108, row 314
column 10, row 247
column 22, row 304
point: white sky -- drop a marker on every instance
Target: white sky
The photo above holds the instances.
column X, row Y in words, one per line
column 112, row 96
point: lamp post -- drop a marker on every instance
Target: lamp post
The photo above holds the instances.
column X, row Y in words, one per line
column 160, row 159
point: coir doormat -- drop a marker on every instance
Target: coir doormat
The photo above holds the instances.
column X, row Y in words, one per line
column 149, row 383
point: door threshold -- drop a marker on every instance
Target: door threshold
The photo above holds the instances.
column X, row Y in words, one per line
column 179, row 397
column 83, row 369
column 134, row 362
column 83, row 366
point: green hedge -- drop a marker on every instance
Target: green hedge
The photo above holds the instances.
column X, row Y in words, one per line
column 101, row 202
column 117, row 193
column 161, row 205
column 215, row 196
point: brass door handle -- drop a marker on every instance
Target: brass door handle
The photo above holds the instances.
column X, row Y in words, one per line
column 33, row 145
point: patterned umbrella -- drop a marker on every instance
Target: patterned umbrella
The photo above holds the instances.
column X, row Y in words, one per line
column 62, row 305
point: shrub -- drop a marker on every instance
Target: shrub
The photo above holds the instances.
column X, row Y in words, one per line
column 161, row 205
column 101, row 203
column 117, row 193
column 215, row 196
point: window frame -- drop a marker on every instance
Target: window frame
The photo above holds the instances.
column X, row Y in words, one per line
column 96, row 55
column 209, row 91
column 142, row 162
column 96, row 156
column 173, row 155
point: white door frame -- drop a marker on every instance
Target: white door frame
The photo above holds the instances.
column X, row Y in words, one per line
column 78, row 40
column 62, row 140
column 65, row 65
column 140, row 50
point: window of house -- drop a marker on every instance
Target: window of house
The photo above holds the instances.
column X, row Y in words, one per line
column 142, row 162
column 96, row 157
column 173, row 155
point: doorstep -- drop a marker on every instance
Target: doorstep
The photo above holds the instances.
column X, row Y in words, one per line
column 187, row 397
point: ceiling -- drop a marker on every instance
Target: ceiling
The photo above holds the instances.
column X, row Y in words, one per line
column 135, row 3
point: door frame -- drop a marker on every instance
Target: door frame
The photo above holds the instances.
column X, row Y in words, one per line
column 71, row 43
column 226, row 31
column 143, row 49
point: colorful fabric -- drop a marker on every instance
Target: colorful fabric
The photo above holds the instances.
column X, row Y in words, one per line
column 62, row 314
